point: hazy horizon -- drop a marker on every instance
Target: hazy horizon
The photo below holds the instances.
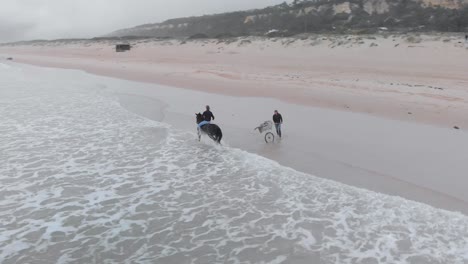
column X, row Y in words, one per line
column 53, row 19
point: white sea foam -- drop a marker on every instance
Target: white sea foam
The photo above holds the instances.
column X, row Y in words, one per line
column 85, row 181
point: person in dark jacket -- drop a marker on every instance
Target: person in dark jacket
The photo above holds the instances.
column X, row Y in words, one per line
column 278, row 120
column 208, row 115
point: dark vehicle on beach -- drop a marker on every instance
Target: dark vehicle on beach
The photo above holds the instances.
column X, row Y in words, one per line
column 122, row 47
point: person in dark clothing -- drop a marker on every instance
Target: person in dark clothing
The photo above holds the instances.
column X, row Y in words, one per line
column 278, row 120
column 208, row 115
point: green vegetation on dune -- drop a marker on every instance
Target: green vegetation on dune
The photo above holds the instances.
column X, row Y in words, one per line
column 319, row 16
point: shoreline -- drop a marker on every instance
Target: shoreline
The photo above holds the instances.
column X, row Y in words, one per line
column 366, row 149
column 315, row 154
column 89, row 179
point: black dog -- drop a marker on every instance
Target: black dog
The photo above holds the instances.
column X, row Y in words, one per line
column 212, row 130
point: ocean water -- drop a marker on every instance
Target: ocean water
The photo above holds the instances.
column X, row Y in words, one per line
column 83, row 180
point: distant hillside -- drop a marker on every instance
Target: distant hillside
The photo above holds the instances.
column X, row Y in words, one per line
column 339, row 16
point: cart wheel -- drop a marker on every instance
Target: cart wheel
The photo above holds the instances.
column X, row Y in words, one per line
column 269, row 137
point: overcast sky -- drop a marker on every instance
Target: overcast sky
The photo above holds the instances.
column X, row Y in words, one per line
column 50, row 19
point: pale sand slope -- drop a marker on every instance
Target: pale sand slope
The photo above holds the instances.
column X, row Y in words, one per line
column 415, row 78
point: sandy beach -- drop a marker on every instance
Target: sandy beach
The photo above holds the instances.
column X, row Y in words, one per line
column 416, row 78
column 101, row 169
column 376, row 112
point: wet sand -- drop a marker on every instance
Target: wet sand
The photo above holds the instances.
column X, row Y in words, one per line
column 96, row 172
column 415, row 161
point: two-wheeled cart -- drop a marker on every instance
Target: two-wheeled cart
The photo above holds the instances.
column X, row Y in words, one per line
column 266, row 128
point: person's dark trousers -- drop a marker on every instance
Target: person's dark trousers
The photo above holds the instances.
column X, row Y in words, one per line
column 278, row 129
